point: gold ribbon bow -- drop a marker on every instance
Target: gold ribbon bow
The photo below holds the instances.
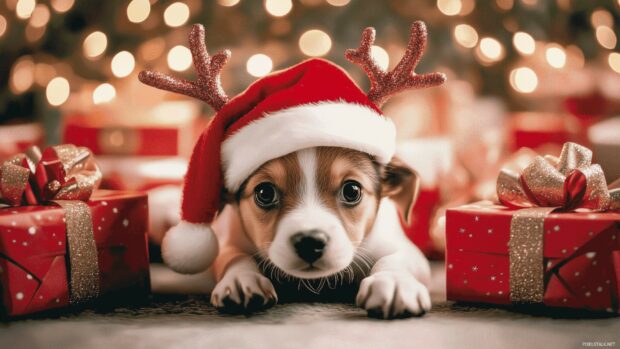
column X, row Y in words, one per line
column 547, row 184
column 65, row 175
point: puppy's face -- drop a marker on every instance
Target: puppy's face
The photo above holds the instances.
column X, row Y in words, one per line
column 307, row 212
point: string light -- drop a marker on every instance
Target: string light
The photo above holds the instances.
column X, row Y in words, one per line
column 601, row 17
column 40, row 16
column 138, row 10
column 179, row 58
column 338, row 3
column 104, row 93
column 95, row 44
column 57, row 91
column 259, row 65
column 465, row 35
column 34, row 34
column 490, row 50
column 606, row 37
column 523, row 80
column 467, row 7
column 555, row 55
column 449, row 7
column 123, row 64
column 380, row 56
column 62, row 6
column 278, row 8
column 176, row 14
column 24, row 8
column 524, row 43
column 614, row 61
column 3, row 25
column 228, row 3
column 22, row 75
column 315, row 43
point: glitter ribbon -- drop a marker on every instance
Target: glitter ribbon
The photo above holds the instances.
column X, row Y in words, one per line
column 64, row 175
column 545, row 185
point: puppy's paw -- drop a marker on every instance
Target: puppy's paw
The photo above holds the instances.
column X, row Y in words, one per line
column 243, row 293
column 390, row 295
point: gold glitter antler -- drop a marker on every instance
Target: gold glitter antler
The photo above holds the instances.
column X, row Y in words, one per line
column 207, row 86
column 385, row 84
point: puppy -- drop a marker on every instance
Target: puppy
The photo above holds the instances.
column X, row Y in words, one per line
column 317, row 217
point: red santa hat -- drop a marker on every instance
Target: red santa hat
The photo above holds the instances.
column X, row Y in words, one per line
column 314, row 103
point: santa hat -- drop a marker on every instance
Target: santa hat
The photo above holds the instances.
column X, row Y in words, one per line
column 314, row 103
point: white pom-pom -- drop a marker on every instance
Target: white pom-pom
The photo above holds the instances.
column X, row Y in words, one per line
column 189, row 248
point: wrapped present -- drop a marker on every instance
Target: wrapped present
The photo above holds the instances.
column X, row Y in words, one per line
column 19, row 137
column 141, row 172
column 605, row 140
column 62, row 242
column 535, row 130
column 170, row 130
column 555, row 240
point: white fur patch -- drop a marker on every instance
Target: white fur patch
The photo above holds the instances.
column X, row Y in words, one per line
column 335, row 124
column 189, row 248
column 311, row 214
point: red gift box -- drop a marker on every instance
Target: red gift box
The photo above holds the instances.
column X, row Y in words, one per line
column 581, row 254
column 535, row 130
column 170, row 130
column 17, row 138
column 140, row 172
column 34, row 262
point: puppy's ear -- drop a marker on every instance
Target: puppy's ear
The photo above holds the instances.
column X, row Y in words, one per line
column 400, row 183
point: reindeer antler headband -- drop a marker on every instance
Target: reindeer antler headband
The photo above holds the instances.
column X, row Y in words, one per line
column 383, row 85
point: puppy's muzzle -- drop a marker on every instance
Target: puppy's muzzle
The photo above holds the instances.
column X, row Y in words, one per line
column 310, row 245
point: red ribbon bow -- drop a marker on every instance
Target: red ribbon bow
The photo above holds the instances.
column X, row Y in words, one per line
column 62, row 172
column 568, row 182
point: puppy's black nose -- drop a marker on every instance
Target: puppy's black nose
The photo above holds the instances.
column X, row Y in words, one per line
column 310, row 244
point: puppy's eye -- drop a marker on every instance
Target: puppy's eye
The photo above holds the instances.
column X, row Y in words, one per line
column 266, row 196
column 351, row 193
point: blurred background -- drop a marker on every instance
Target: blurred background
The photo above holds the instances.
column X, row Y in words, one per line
column 521, row 73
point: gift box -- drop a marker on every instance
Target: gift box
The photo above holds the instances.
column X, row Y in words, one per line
column 171, row 129
column 535, row 130
column 62, row 241
column 554, row 240
column 141, row 173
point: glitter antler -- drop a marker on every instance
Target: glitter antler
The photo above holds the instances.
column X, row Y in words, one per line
column 207, row 86
column 385, row 84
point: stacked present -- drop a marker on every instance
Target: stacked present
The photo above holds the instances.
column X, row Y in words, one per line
column 554, row 240
column 141, row 150
column 62, row 241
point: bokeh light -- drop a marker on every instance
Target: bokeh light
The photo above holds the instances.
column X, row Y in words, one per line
column 179, row 58
column 380, row 56
column 40, row 16
column 22, row 75
column 614, row 61
column 62, row 6
column 601, row 17
column 57, row 91
column 606, row 37
column 490, row 50
column 95, row 44
column 504, row 5
column 138, row 10
column 24, row 8
column 259, row 65
column 523, row 80
column 278, row 8
column 338, row 2
column 449, row 7
column 315, row 43
column 104, row 93
column 123, row 64
column 176, row 14
column 524, row 43
column 228, row 3
column 555, row 55
column 465, row 35
column 3, row 25
column 43, row 73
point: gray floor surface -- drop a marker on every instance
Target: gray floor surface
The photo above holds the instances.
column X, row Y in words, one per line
column 189, row 322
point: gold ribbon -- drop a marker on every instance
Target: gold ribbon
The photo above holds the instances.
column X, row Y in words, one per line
column 64, row 175
column 547, row 184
